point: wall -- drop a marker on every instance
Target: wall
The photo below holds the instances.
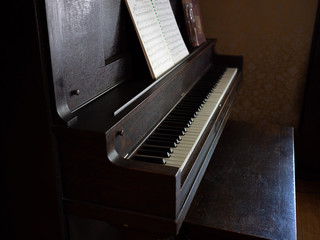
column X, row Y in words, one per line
column 274, row 36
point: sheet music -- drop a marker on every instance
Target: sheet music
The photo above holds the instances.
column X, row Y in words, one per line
column 158, row 33
column 171, row 32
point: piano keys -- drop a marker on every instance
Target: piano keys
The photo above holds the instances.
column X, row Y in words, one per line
column 177, row 140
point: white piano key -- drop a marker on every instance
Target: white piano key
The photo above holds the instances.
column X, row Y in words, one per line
column 182, row 152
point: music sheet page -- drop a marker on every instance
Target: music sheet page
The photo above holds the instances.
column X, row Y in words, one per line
column 171, row 32
column 158, row 34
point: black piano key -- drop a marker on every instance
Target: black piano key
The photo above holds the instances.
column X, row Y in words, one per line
column 169, row 137
column 204, row 88
column 186, row 109
column 194, row 97
column 193, row 103
column 182, row 107
column 167, row 126
column 176, row 125
column 175, row 122
column 153, row 153
column 166, row 135
column 194, row 100
column 187, row 114
column 149, row 159
column 157, row 148
column 165, row 139
column 169, row 131
column 192, row 112
column 179, row 118
column 161, row 142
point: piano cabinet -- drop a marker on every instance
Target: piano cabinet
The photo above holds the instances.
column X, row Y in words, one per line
column 100, row 183
column 104, row 105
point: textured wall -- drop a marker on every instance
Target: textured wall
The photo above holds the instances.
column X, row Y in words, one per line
column 274, row 36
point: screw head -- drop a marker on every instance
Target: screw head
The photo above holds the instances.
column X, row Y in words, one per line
column 120, row 132
column 75, row 92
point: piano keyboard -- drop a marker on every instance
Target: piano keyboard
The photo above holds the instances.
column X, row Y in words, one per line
column 175, row 138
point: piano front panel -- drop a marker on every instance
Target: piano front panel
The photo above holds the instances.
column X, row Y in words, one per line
column 90, row 178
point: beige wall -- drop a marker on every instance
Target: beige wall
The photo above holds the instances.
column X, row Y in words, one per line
column 274, row 36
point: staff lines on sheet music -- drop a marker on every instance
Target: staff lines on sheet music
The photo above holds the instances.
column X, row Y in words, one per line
column 145, row 18
column 163, row 11
column 151, row 39
column 166, row 22
column 153, row 50
column 162, row 59
column 157, row 30
column 142, row 23
column 177, row 53
column 147, row 29
column 175, row 45
column 157, row 55
column 171, row 38
column 138, row 10
column 156, row 48
column 170, row 32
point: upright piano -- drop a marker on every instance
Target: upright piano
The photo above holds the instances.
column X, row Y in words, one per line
column 132, row 149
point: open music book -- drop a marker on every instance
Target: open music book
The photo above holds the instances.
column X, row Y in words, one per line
column 158, row 34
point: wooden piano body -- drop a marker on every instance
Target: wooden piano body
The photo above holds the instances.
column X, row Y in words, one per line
column 105, row 104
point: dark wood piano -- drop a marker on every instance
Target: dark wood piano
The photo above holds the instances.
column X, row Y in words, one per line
column 132, row 150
